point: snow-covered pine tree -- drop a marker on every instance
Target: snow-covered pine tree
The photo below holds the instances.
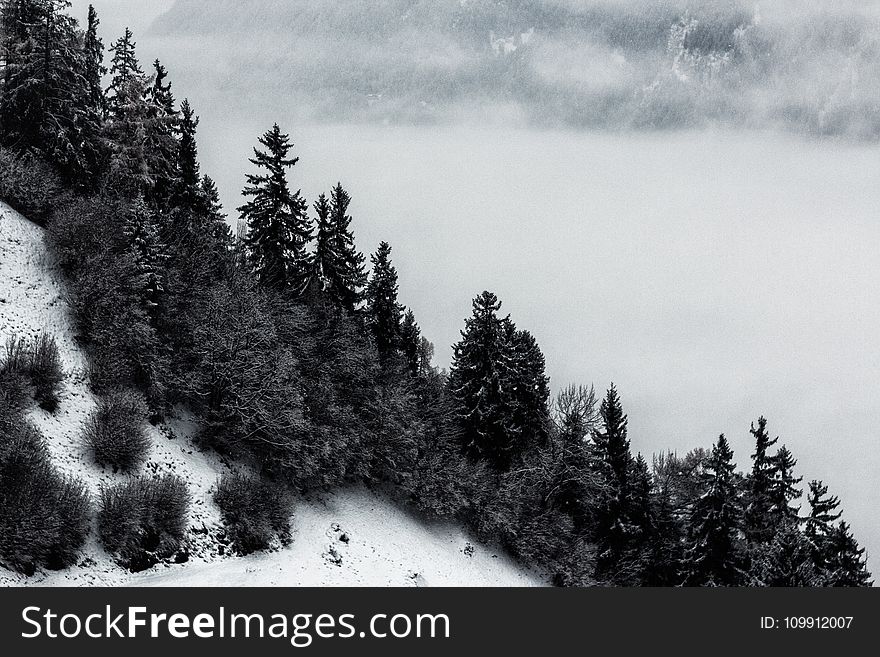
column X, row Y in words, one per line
column 163, row 129
column 383, row 310
column 783, row 489
column 141, row 231
column 127, row 128
column 93, row 64
column 846, row 564
column 714, row 556
column 758, row 520
column 527, row 389
column 411, row 344
column 278, row 227
column 475, row 381
column 187, row 193
column 820, row 523
column 344, row 271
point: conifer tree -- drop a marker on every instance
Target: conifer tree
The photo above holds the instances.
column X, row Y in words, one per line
column 344, row 271
column 93, row 64
column 163, row 128
column 278, row 228
column 187, row 154
column 527, row 388
column 383, row 310
column 714, row 557
column 141, row 231
column 612, row 443
column 127, row 128
column 783, row 488
column 476, row 380
column 845, row 562
column 412, row 345
column 759, row 523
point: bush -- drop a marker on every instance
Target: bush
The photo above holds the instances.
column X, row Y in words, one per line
column 255, row 512
column 45, row 370
column 143, row 521
column 29, row 185
column 39, row 363
column 115, row 432
column 44, row 517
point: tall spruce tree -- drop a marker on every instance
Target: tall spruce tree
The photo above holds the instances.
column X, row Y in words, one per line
column 819, row 525
column 759, row 523
column 845, row 562
column 412, row 345
column 498, row 380
column 344, row 272
column 383, row 310
column 278, row 227
column 127, row 128
column 163, row 130
column 714, row 557
column 93, row 64
column 476, row 381
column 783, row 489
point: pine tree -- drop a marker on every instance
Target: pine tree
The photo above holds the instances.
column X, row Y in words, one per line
column 93, row 65
column 383, row 310
column 123, row 68
column 476, row 381
column 278, row 226
column 783, row 488
column 188, row 192
column 819, row 524
column 612, row 442
column 412, row 345
column 845, row 561
column 127, row 128
column 344, row 270
column 141, row 232
column 714, row 556
column 527, row 388
column 163, row 128
column 759, row 523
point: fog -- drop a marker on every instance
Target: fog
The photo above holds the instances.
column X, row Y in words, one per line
column 715, row 272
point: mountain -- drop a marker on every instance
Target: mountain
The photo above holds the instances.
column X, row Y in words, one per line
column 586, row 63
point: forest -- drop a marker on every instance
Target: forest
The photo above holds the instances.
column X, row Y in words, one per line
column 293, row 350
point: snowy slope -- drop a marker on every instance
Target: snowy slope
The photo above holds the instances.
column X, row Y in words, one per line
column 353, row 537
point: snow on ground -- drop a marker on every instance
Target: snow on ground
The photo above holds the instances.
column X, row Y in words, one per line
column 353, row 537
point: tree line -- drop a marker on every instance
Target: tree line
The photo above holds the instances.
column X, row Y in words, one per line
column 296, row 356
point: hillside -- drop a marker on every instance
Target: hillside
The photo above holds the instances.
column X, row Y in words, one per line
column 350, row 537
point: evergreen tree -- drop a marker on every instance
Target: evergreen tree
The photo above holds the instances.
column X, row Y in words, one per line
column 163, row 127
column 714, row 556
column 819, row 524
column 188, row 193
column 783, row 488
column 845, row 561
column 383, row 310
column 93, row 65
column 476, row 381
column 527, row 387
column 759, row 523
column 278, row 228
column 412, row 345
column 338, row 264
column 141, row 232
column 127, row 130
column 612, row 443
column 123, row 68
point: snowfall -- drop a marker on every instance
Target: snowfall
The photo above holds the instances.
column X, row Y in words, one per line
column 350, row 537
